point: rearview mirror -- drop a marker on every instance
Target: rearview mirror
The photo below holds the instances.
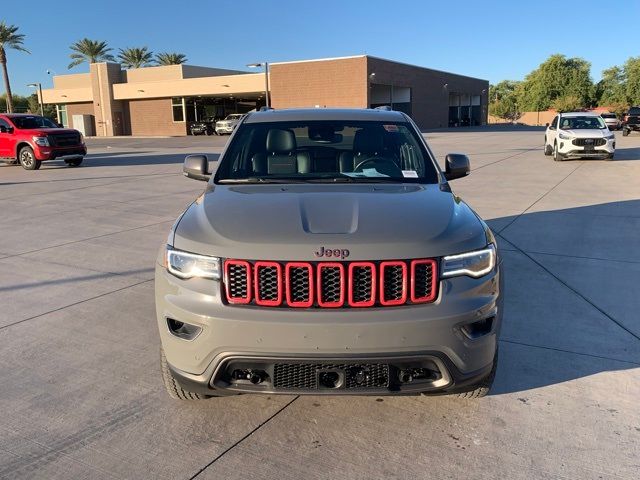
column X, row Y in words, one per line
column 196, row 167
column 456, row 166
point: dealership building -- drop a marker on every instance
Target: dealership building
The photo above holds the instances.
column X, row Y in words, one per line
column 112, row 101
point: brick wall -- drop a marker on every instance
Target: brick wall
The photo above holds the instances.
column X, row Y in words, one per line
column 429, row 95
column 154, row 117
column 328, row 83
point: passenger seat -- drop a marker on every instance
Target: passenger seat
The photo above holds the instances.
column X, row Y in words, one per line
column 281, row 157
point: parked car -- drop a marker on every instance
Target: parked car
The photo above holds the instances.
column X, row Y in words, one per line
column 227, row 125
column 631, row 121
column 579, row 135
column 203, row 127
column 612, row 121
column 328, row 255
column 32, row 139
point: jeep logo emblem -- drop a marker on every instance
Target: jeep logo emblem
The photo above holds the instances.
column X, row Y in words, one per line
column 332, row 253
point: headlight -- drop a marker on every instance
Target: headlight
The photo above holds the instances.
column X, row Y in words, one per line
column 473, row 264
column 611, row 136
column 41, row 141
column 81, row 138
column 188, row 265
column 564, row 136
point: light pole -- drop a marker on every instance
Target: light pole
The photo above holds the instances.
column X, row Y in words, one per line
column 266, row 79
column 38, row 85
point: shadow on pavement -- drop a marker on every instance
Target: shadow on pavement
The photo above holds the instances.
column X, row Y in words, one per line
column 568, row 309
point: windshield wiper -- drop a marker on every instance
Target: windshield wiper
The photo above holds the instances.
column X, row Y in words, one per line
column 260, row 180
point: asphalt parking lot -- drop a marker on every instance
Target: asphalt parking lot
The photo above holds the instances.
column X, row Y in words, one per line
column 80, row 389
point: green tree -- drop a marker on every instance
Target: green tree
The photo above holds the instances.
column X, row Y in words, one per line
column 632, row 80
column 166, row 58
column 9, row 39
column 33, row 106
column 135, row 57
column 503, row 100
column 570, row 103
column 90, row 51
column 20, row 103
column 555, row 78
column 611, row 89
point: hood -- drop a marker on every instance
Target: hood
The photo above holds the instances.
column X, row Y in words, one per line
column 291, row 222
column 48, row 131
column 587, row 133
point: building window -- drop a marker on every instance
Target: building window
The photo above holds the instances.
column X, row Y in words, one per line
column 61, row 112
column 177, row 105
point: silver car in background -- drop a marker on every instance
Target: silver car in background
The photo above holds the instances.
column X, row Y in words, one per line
column 612, row 121
column 226, row 126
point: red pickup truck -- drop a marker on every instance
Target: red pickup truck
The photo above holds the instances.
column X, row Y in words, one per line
column 32, row 139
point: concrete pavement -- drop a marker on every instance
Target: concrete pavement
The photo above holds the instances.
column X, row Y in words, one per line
column 80, row 388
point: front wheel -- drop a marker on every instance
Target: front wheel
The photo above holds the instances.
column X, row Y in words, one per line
column 76, row 162
column 482, row 388
column 28, row 159
column 547, row 149
column 557, row 156
column 173, row 388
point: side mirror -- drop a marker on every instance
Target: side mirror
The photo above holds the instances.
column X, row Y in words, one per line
column 456, row 166
column 196, row 167
column 546, row 124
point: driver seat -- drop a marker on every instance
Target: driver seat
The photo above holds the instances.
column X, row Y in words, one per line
column 367, row 143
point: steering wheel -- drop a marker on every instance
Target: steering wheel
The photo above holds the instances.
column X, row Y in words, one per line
column 392, row 169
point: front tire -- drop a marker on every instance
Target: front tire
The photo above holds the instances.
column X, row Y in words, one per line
column 173, row 388
column 482, row 388
column 76, row 162
column 547, row 148
column 557, row 156
column 28, row 159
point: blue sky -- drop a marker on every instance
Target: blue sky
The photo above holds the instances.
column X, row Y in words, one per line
column 489, row 39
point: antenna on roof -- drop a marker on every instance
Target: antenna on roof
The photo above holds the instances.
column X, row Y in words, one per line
column 386, row 108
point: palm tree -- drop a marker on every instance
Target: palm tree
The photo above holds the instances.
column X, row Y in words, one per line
column 170, row 58
column 90, row 51
column 9, row 38
column 135, row 57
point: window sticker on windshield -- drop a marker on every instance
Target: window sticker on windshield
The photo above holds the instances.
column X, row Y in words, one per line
column 409, row 174
column 390, row 128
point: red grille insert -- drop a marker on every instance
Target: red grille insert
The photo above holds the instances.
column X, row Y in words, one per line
column 424, row 274
column 331, row 284
column 237, row 274
column 267, row 283
column 362, row 284
column 299, row 284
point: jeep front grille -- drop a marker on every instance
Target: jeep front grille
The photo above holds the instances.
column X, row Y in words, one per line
column 330, row 284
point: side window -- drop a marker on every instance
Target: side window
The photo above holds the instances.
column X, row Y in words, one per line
column 4, row 124
column 554, row 124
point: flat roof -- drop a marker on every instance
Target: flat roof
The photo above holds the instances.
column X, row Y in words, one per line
column 580, row 114
column 307, row 114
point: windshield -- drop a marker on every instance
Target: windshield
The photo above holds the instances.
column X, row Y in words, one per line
column 326, row 151
column 32, row 122
column 581, row 123
column 234, row 117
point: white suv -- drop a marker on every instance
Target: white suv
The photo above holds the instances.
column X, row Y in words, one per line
column 227, row 125
column 579, row 135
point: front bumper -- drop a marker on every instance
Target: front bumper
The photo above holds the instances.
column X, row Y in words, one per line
column 220, row 130
column 51, row 153
column 436, row 332
column 568, row 150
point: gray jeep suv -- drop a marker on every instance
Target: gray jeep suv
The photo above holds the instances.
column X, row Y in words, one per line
column 328, row 255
